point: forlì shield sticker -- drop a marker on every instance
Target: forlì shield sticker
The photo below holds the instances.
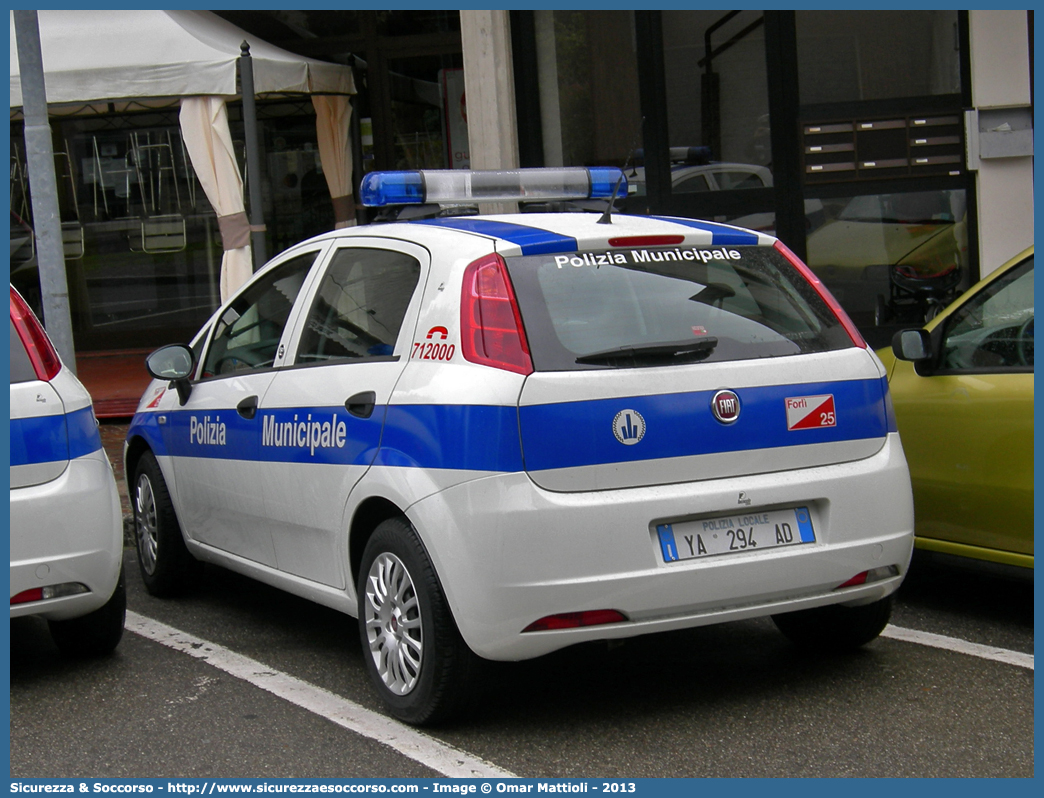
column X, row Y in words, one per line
column 811, row 412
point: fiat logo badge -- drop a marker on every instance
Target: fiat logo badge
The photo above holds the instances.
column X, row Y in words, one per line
column 726, row 406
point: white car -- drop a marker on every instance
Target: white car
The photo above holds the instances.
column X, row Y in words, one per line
column 66, row 522
column 695, row 176
column 496, row 436
column 700, row 175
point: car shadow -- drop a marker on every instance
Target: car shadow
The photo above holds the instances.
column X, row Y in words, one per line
column 975, row 592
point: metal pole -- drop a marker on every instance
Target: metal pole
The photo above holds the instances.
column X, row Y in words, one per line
column 257, row 219
column 47, row 221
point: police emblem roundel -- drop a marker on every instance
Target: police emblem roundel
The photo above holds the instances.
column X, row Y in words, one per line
column 629, row 427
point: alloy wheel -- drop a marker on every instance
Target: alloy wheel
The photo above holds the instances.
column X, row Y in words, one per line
column 394, row 629
column 146, row 526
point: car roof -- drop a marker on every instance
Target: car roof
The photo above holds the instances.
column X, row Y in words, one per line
column 996, row 274
column 552, row 233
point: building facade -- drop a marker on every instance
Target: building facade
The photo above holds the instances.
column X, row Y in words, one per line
column 874, row 143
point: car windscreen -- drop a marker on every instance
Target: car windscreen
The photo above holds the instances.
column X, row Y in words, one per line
column 658, row 306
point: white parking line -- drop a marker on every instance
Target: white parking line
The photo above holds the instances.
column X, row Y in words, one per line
column 409, row 742
column 1004, row 655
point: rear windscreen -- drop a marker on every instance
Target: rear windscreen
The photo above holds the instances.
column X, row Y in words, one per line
column 658, row 306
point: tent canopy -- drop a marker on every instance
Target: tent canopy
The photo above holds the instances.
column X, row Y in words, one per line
column 93, row 56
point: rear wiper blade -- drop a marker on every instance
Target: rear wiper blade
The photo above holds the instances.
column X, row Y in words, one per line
column 653, row 354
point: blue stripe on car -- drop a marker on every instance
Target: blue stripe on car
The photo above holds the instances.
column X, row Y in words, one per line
column 472, row 437
column 575, row 434
column 479, row 438
column 49, row 439
column 532, row 240
column 721, row 235
column 488, row 438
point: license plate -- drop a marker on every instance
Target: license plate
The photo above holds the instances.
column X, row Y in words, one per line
column 709, row 537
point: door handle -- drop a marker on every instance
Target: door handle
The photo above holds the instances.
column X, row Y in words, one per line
column 362, row 404
column 247, row 408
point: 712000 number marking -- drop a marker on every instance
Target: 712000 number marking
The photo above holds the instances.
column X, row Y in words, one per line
column 429, row 351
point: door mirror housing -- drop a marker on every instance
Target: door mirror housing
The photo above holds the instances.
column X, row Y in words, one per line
column 913, row 345
column 175, row 363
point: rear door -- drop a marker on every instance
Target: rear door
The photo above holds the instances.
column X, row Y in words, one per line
column 659, row 365
column 322, row 418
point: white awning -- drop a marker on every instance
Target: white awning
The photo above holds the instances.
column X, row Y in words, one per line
column 92, row 56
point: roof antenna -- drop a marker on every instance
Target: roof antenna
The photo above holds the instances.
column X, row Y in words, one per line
column 607, row 216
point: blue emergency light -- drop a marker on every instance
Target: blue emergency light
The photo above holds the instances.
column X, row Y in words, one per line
column 461, row 186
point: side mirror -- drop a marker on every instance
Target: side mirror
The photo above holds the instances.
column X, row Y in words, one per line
column 175, row 363
column 914, row 345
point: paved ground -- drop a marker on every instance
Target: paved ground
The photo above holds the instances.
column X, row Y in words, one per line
column 115, row 379
column 721, row 701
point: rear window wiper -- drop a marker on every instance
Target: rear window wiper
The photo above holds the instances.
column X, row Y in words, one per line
column 652, row 354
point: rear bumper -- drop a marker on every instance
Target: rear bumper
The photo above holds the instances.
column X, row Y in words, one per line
column 509, row 552
column 67, row 530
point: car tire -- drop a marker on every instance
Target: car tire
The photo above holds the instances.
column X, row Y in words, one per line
column 167, row 567
column 414, row 653
column 97, row 633
column 836, row 627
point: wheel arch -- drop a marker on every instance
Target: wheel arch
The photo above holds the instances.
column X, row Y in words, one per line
column 367, row 517
column 135, row 448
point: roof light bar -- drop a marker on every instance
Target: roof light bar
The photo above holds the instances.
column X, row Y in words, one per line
column 450, row 186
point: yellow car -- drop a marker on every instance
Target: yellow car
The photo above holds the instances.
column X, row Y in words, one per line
column 893, row 256
column 963, row 394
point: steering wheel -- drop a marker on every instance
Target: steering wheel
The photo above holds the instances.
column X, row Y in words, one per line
column 1024, row 342
column 230, row 364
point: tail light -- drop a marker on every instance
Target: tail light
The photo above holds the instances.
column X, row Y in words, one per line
column 576, row 620
column 871, row 576
column 646, row 241
column 41, row 353
column 35, row 594
column 490, row 322
column 50, row 592
column 824, row 294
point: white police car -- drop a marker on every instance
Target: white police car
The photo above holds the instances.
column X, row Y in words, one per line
column 66, row 522
column 501, row 435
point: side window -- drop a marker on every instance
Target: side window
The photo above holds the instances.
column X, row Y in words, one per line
column 733, row 180
column 994, row 330
column 248, row 333
column 198, row 344
column 360, row 305
column 690, row 184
